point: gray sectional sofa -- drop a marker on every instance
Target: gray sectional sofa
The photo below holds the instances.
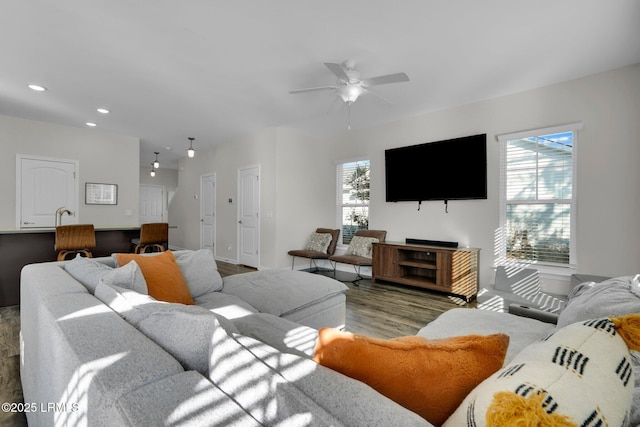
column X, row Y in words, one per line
column 96, row 354
column 95, row 351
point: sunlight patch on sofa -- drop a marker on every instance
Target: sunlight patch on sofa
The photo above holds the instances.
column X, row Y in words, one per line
column 74, row 399
column 301, row 338
column 85, row 312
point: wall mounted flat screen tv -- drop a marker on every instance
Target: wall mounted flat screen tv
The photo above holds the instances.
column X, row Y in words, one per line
column 453, row 169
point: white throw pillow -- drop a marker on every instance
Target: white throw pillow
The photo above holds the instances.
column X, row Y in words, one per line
column 318, row 242
column 361, row 246
column 580, row 372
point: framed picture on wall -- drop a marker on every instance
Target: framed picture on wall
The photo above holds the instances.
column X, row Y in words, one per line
column 100, row 194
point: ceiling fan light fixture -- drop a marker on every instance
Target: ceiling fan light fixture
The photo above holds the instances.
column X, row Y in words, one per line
column 350, row 93
column 191, row 152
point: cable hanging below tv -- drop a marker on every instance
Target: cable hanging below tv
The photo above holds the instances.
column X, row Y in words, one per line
column 452, row 169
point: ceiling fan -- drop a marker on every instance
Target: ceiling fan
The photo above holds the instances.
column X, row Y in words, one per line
column 350, row 86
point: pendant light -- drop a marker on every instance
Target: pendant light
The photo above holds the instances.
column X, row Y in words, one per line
column 191, row 152
column 153, row 171
column 156, row 163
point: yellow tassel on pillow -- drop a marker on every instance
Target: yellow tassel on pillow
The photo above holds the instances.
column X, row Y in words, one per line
column 511, row 409
column 629, row 329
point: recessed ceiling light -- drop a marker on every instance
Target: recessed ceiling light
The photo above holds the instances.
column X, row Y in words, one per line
column 37, row 88
column 91, row 124
column 103, row 111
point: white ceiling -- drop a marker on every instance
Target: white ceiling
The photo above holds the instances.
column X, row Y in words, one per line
column 219, row 70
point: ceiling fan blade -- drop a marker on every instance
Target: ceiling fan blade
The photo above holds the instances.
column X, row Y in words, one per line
column 337, row 70
column 389, row 78
column 379, row 96
column 333, row 104
column 312, row 89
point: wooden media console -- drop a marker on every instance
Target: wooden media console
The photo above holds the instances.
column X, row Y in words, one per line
column 450, row 270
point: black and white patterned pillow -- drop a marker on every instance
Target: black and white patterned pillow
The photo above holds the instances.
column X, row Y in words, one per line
column 581, row 374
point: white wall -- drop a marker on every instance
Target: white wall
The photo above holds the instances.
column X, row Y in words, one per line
column 102, row 158
column 224, row 161
column 305, row 192
column 299, row 188
column 608, row 227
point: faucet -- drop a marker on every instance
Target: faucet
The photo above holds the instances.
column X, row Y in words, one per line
column 59, row 212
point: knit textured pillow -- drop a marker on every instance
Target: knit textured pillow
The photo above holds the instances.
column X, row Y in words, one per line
column 361, row 246
column 581, row 375
column 164, row 278
column 318, row 242
column 428, row 377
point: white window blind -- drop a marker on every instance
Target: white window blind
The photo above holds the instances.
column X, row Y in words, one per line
column 352, row 195
column 538, row 196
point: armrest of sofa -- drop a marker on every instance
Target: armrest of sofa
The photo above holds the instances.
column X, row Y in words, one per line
column 533, row 313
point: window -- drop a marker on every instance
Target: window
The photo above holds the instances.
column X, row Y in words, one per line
column 352, row 198
column 538, row 197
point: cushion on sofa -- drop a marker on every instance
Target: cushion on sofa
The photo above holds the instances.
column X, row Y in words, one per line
column 580, row 375
column 127, row 277
column 86, row 271
column 614, row 297
column 229, row 306
column 264, row 290
column 429, row 377
column 200, row 271
column 522, row 331
column 185, row 332
column 352, row 402
column 186, row 399
column 260, row 390
column 282, row 334
column 164, row 278
column 125, row 302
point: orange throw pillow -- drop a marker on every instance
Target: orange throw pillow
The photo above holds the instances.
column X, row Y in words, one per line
column 429, row 377
column 162, row 273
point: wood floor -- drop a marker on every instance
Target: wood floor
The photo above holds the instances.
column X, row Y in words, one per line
column 381, row 310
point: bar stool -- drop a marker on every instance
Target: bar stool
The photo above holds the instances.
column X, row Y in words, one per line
column 153, row 235
column 71, row 239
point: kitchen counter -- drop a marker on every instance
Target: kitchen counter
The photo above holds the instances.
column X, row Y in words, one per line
column 52, row 229
column 19, row 247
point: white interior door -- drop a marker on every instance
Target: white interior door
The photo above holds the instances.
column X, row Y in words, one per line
column 249, row 216
column 207, row 211
column 151, row 204
column 45, row 185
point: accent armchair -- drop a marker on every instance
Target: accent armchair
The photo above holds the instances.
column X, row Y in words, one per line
column 359, row 252
column 318, row 246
